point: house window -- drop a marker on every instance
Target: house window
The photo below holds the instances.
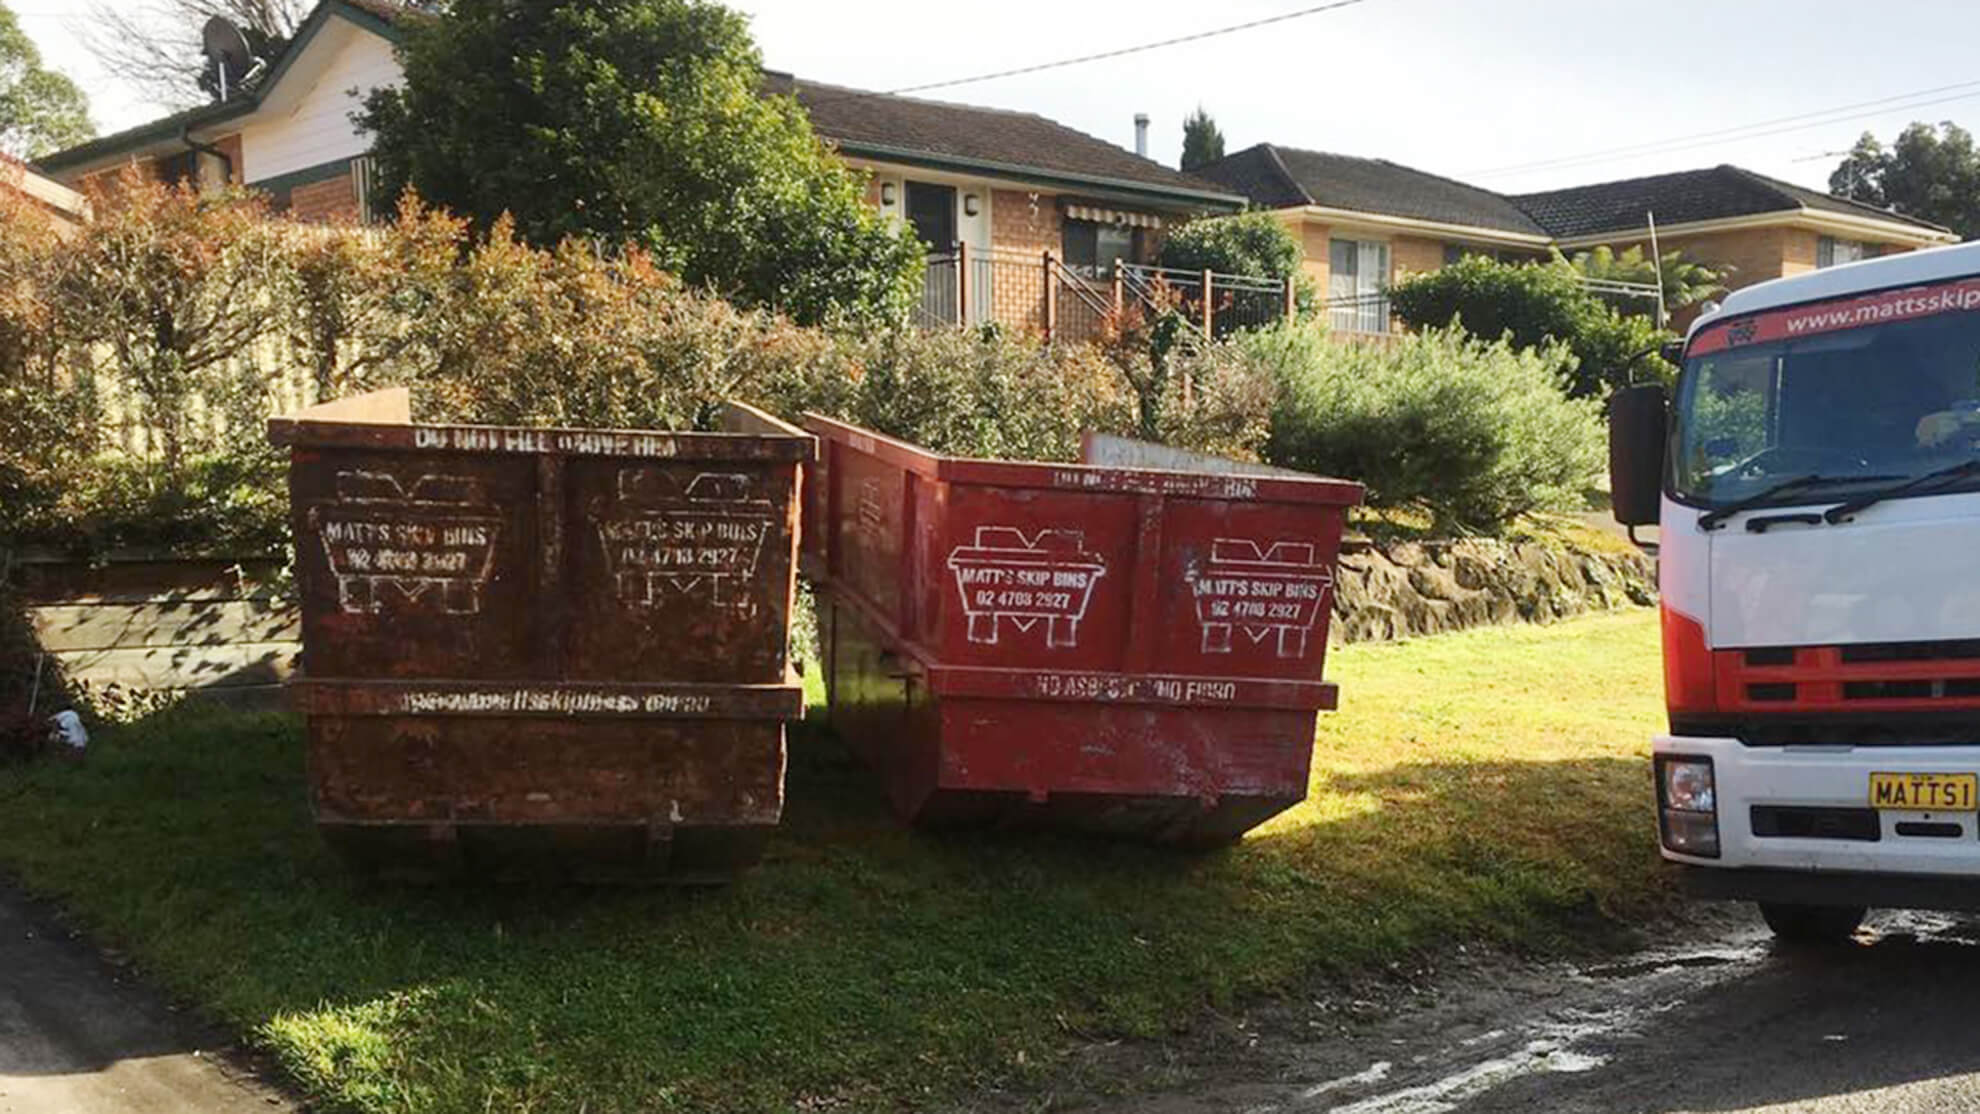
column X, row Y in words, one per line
column 1831, row 252
column 1093, row 248
column 1357, row 283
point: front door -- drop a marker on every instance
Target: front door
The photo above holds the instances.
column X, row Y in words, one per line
column 931, row 209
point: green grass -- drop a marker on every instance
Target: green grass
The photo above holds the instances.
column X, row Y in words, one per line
column 1482, row 785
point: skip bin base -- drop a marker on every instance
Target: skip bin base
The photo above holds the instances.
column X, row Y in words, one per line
column 584, row 853
column 1180, row 774
column 576, row 798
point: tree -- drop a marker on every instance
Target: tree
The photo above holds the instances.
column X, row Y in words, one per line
column 155, row 47
column 40, row 110
column 640, row 121
column 1686, row 282
column 1930, row 173
column 1203, row 144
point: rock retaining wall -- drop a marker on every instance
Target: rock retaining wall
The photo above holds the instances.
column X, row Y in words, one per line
column 1400, row 591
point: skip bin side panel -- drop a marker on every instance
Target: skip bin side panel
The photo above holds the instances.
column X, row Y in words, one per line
column 414, row 564
column 1036, row 579
column 680, row 570
column 1246, row 589
column 867, row 529
column 880, row 704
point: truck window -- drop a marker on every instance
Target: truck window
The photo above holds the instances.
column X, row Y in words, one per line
column 1878, row 401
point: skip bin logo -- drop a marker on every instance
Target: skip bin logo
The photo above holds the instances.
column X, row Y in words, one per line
column 1265, row 591
column 391, row 541
column 1008, row 578
column 701, row 540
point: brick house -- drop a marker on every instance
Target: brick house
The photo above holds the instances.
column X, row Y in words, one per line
column 1364, row 223
column 291, row 135
column 1758, row 227
column 993, row 193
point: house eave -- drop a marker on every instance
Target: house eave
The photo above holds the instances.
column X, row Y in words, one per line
column 1819, row 220
column 1466, row 232
column 110, row 150
column 1114, row 189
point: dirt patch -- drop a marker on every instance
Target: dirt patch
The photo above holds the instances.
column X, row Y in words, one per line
column 1347, row 1043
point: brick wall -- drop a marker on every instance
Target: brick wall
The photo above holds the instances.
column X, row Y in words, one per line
column 1415, row 255
column 333, row 199
column 1017, row 225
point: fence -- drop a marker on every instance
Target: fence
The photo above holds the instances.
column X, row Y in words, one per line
column 1041, row 295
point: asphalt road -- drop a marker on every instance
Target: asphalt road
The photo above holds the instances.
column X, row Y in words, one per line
column 77, row 1036
column 1717, row 1019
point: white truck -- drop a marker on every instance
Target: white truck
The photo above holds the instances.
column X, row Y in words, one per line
column 1815, row 477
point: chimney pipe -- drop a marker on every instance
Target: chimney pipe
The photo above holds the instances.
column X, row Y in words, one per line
column 1141, row 134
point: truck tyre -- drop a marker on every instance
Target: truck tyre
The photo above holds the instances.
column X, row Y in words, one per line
column 1812, row 924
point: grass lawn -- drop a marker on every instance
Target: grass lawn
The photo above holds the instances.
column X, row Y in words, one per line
column 1490, row 784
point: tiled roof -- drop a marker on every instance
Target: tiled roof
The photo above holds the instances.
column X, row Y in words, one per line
column 1279, row 177
column 877, row 124
column 1681, row 198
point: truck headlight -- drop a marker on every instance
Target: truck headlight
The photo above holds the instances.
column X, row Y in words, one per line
column 1687, row 805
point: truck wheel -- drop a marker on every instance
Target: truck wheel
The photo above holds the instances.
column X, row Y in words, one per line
column 1812, row 924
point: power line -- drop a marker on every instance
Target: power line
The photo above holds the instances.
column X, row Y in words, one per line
column 1179, row 40
column 1743, row 131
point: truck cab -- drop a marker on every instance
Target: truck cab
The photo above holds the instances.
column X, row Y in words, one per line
column 1814, row 474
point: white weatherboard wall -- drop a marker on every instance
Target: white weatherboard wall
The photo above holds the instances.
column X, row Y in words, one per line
column 317, row 128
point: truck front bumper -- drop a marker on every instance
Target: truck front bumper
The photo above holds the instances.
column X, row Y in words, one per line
column 1884, row 860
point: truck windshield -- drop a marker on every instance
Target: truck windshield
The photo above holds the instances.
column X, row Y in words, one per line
column 1808, row 392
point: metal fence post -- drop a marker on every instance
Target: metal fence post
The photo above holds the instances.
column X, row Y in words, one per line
column 1051, row 298
column 962, row 283
column 1209, row 314
column 1120, row 292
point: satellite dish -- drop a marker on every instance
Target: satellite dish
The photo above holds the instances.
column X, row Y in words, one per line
column 228, row 50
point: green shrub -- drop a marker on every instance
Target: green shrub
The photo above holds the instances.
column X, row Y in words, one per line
column 1255, row 245
column 1532, row 303
column 218, row 302
column 1473, row 433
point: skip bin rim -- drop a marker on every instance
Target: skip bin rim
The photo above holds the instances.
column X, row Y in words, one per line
column 341, row 424
column 1039, row 475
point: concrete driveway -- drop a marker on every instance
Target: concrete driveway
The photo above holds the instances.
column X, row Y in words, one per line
column 79, row 1037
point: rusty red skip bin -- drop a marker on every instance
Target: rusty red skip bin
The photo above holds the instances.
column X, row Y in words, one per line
column 1132, row 649
column 544, row 651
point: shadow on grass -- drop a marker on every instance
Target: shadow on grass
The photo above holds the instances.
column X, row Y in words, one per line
column 860, row 962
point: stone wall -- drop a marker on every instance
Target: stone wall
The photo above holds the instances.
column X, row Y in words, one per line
column 1400, row 591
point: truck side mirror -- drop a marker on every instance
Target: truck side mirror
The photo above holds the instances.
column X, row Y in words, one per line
column 1637, row 437
column 1672, row 352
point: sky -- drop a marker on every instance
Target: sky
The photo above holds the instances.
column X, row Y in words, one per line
column 1513, row 95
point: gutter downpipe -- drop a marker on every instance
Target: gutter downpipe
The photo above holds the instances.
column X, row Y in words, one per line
column 194, row 145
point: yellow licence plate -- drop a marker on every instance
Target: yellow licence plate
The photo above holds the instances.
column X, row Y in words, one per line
column 1924, row 792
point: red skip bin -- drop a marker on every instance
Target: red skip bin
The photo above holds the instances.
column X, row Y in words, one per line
column 1134, row 644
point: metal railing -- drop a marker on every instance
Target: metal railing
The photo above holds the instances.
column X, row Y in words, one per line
column 1042, row 295
column 1215, row 304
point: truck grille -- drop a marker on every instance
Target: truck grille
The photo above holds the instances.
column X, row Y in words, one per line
column 1864, row 677
column 1802, row 822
